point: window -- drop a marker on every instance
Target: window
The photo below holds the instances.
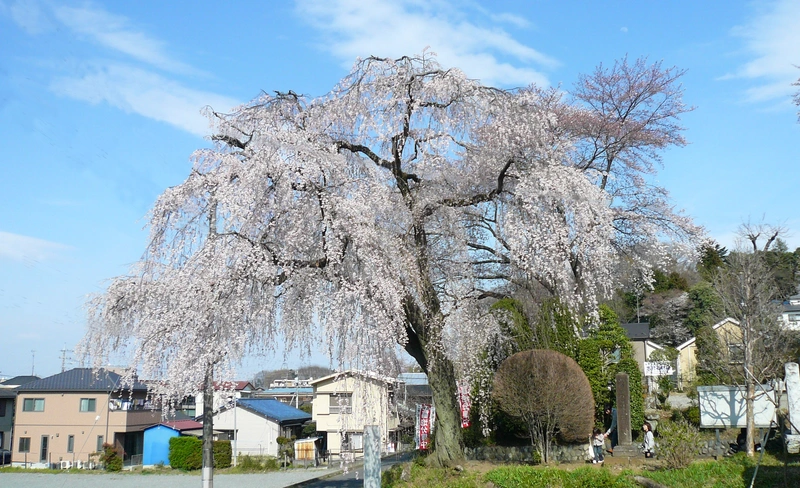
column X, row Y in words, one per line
column 88, row 404
column 794, row 317
column 341, row 403
column 353, row 441
column 24, row 444
column 43, row 452
column 99, row 443
column 33, row 405
column 71, row 443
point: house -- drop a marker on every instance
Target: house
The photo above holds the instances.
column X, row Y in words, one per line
column 253, row 425
column 224, row 393
column 156, row 439
column 66, row 418
column 293, row 392
column 345, row 402
column 638, row 334
column 729, row 334
column 790, row 312
column 8, row 396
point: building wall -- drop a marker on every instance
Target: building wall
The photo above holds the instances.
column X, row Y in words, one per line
column 6, row 422
column 156, row 445
column 255, row 435
column 370, row 405
column 62, row 418
column 728, row 332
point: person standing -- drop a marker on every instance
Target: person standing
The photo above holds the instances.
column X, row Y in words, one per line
column 598, row 442
column 649, row 443
column 612, row 429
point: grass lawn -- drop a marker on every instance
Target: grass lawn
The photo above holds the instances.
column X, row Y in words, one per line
column 727, row 473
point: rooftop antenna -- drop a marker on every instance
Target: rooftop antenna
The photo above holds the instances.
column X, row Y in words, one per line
column 64, row 358
column 33, row 362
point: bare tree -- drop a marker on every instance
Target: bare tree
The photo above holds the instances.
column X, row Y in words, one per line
column 550, row 393
column 761, row 231
column 756, row 354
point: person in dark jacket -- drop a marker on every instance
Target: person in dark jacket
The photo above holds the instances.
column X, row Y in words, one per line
column 612, row 429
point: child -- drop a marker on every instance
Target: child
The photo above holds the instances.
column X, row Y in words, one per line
column 598, row 442
column 649, row 443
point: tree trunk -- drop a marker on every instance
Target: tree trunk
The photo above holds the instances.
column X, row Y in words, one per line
column 208, row 430
column 750, row 418
column 448, row 438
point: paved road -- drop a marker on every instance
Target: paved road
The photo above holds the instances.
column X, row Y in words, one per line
column 355, row 477
column 277, row 479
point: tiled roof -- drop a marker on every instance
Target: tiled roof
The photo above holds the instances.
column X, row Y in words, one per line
column 273, row 409
column 637, row 331
column 80, row 379
column 180, row 425
column 302, row 390
column 19, row 380
column 232, row 385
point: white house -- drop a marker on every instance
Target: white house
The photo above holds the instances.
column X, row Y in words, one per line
column 345, row 402
column 224, row 393
column 253, row 425
column 791, row 312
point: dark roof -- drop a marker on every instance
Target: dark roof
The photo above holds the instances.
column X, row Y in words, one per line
column 19, row 380
column 637, row 330
column 180, row 425
column 80, row 379
column 275, row 410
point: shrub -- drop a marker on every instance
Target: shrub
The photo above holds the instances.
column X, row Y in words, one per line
column 186, row 453
column 550, row 393
column 678, row 444
column 692, row 415
column 222, row 454
column 110, row 458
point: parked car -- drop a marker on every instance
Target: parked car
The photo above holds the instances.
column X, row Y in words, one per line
column 5, row 457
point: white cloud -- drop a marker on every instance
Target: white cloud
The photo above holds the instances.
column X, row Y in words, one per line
column 772, row 39
column 355, row 28
column 145, row 93
column 25, row 248
column 28, row 15
column 114, row 32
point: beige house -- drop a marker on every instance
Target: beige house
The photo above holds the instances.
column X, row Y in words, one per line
column 62, row 420
column 730, row 336
column 345, row 402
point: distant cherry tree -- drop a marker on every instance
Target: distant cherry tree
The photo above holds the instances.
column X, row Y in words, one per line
column 391, row 210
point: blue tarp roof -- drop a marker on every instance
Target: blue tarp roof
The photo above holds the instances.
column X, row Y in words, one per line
column 273, row 409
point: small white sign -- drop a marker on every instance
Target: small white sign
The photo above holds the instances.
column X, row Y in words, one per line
column 659, row 368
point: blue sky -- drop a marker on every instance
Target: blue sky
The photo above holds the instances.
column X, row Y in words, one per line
column 100, row 109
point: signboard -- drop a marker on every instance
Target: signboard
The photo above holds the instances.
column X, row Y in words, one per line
column 724, row 406
column 659, row 368
column 464, row 403
column 425, row 416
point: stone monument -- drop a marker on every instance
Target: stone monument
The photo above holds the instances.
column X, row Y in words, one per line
column 793, row 396
column 625, row 445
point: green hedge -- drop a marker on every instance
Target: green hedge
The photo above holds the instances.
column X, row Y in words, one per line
column 222, row 454
column 186, row 453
